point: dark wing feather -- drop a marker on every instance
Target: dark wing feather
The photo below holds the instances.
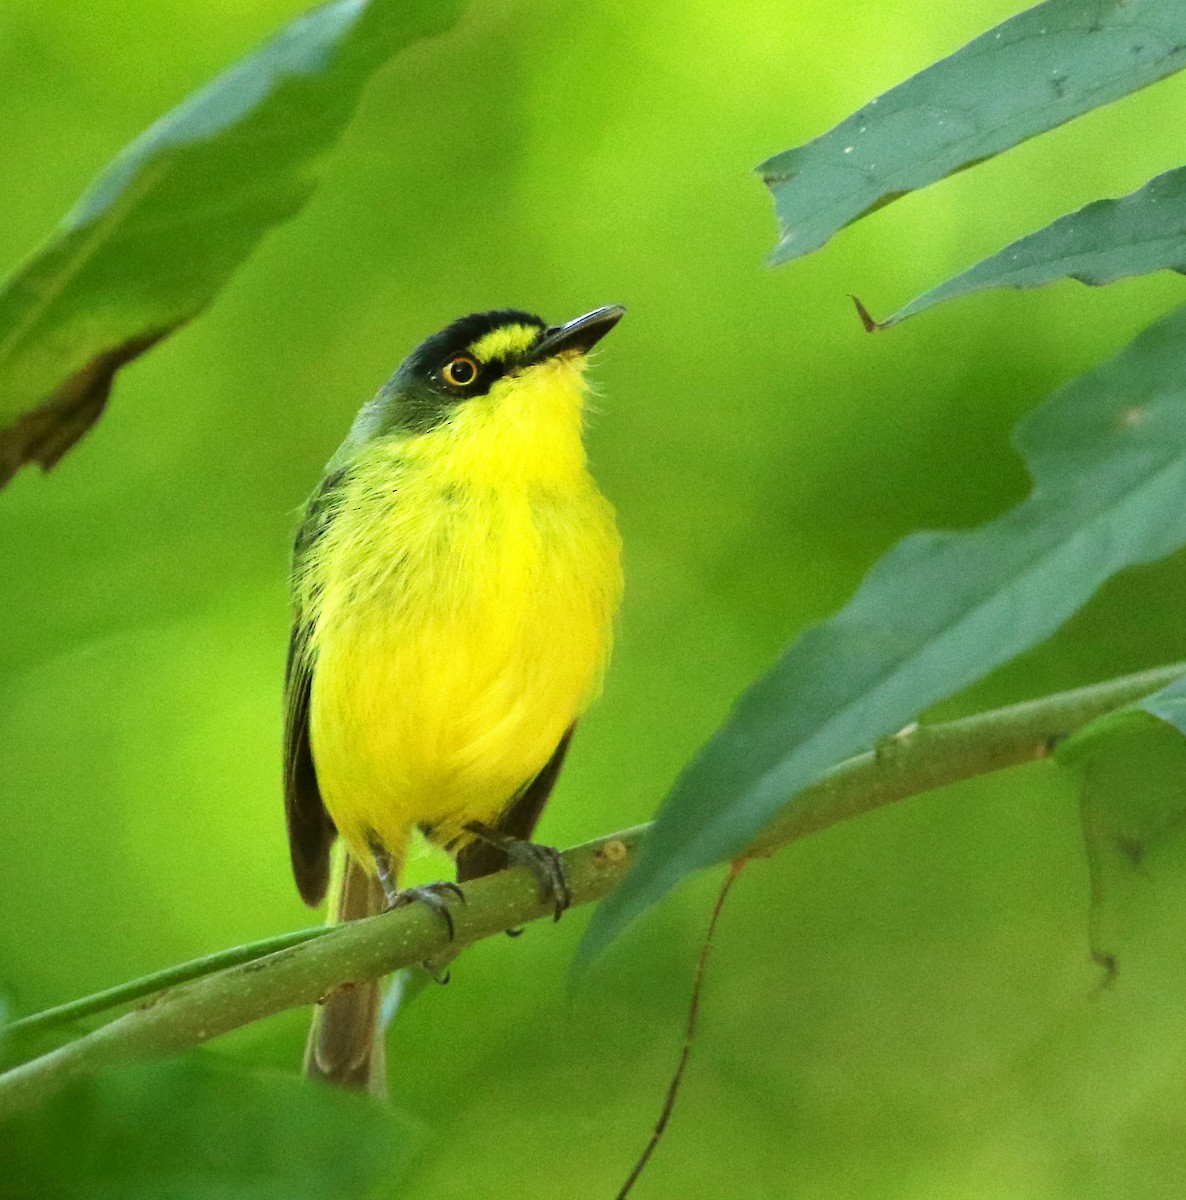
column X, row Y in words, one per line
column 311, row 832
column 519, row 821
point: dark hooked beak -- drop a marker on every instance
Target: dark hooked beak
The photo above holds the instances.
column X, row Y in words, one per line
column 580, row 335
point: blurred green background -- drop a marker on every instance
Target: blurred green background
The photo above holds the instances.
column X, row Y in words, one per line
column 901, row 1007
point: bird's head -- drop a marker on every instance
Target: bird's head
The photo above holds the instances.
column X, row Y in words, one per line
column 485, row 354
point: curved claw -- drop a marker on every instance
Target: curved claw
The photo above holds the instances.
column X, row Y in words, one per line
column 430, row 894
column 545, row 863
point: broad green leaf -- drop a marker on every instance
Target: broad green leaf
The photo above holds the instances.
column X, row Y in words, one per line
column 165, row 226
column 1108, row 456
column 1142, row 232
column 190, row 1130
column 1030, row 74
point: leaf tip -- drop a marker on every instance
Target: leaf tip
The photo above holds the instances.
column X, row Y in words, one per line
column 784, row 251
column 45, row 433
column 871, row 326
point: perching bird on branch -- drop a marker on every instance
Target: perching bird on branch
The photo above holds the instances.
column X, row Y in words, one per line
column 455, row 580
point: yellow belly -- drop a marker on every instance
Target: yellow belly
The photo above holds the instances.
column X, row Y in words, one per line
column 462, row 628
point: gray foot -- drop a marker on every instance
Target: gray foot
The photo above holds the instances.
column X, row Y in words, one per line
column 544, row 862
column 432, row 894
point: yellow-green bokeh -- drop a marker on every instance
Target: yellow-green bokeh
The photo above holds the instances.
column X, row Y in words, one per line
column 903, row 1007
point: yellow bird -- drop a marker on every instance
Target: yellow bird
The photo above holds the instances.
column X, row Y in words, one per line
column 455, row 581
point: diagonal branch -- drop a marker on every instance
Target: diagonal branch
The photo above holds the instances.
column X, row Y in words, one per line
column 917, row 760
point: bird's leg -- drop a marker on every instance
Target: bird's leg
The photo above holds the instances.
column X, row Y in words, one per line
column 385, row 873
column 430, row 894
column 544, row 862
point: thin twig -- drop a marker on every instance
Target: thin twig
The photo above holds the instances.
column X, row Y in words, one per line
column 689, row 1033
column 149, row 985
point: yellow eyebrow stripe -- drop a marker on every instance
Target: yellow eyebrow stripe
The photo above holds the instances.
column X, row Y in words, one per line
column 504, row 342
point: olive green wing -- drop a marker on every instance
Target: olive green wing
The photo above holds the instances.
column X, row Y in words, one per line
column 311, row 831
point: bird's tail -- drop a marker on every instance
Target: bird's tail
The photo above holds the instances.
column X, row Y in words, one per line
column 345, row 1046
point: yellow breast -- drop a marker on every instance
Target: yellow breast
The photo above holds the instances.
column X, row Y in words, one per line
column 462, row 602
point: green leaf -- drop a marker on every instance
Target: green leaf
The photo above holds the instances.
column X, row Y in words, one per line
column 1142, row 232
column 1131, row 770
column 1168, row 705
column 1030, row 74
column 165, row 226
column 940, row 610
column 190, row 1130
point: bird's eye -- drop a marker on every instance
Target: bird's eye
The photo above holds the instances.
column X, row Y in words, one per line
column 460, row 371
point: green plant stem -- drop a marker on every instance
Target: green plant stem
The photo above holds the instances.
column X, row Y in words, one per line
column 924, row 757
column 917, row 760
column 148, row 985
